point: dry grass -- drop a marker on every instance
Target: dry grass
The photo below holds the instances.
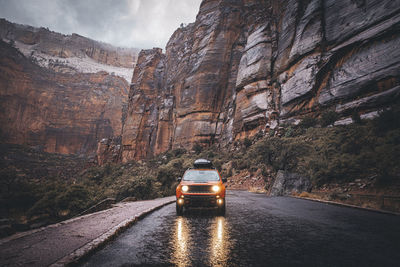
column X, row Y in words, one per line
column 254, row 189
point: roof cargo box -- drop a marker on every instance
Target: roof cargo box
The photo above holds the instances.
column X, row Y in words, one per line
column 202, row 164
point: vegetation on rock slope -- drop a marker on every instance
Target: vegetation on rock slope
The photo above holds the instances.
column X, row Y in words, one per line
column 367, row 149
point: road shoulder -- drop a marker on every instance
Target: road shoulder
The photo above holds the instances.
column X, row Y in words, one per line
column 65, row 243
column 345, row 205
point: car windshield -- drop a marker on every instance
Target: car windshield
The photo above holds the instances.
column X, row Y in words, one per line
column 201, row 176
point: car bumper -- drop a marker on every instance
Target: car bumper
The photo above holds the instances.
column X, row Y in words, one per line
column 200, row 200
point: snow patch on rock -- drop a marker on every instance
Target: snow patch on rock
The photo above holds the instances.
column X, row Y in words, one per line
column 80, row 64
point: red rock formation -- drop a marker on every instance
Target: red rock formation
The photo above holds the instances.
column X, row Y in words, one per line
column 246, row 66
column 42, row 40
column 62, row 113
column 108, row 150
column 200, row 81
column 140, row 127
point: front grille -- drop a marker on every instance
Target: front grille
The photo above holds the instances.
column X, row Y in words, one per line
column 200, row 189
column 200, row 201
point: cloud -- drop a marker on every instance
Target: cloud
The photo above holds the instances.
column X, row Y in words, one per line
column 128, row 23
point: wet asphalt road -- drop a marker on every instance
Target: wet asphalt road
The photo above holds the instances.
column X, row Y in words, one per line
column 258, row 231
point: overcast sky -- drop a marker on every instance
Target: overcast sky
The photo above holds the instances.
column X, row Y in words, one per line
column 127, row 23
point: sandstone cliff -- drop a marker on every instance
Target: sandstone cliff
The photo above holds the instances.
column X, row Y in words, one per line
column 60, row 112
column 69, row 53
column 246, row 66
column 62, row 93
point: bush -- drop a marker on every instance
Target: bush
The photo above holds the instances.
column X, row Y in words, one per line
column 307, row 122
column 218, row 164
column 178, row 152
column 278, row 152
column 271, row 133
column 197, row 148
column 328, row 118
column 355, row 116
column 246, row 142
column 75, row 198
column 388, row 119
column 140, row 188
column 15, row 194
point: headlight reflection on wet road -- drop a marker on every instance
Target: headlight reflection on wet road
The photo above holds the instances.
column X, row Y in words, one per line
column 181, row 242
column 219, row 243
column 187, row 239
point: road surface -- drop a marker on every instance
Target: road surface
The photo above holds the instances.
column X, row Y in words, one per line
column 258, row 231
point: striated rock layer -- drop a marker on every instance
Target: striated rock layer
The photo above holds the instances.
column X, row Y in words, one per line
column 246, row 66
column 58, row 112
column 62, row 93
column 69, row 53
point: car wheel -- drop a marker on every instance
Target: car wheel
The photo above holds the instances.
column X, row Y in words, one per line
column 179, row 209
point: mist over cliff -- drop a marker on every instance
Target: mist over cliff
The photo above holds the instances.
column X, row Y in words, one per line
column 248, row 67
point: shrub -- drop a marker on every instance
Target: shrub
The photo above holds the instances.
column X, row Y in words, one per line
column 218, row 164
column 328, row 118
column 278, row 153
column 246, row 142
column 178, row 152
column 289, row 131
column 197, row 148
column 307, row 122
column 167, row 174
column 271, row 133
column 388, row 119
column 75, row 198
column 140, row 188
column 47, row 203
column 355, row 116
column 243, row 164
column 210, row 154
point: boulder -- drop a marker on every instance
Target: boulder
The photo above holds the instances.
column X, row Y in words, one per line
column 287, row 182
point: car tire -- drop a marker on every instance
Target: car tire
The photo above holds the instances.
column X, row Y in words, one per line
column 179, row 209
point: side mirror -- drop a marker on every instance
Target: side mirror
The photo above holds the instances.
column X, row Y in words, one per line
column 179, row 179
column 224, row 180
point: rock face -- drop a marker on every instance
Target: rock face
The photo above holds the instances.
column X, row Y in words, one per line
column 140, row 130
column 69, row 53
column 287, row 183
column 59, row 112
column 109, row 150
column 62, row 93
column 245, row 66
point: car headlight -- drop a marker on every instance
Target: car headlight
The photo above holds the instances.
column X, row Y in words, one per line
column 215, row 188
column 185, row 188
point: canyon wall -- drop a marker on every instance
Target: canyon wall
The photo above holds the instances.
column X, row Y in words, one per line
column 61, row 93
column 245, row 67
column 57, row 112
column 69, row 53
